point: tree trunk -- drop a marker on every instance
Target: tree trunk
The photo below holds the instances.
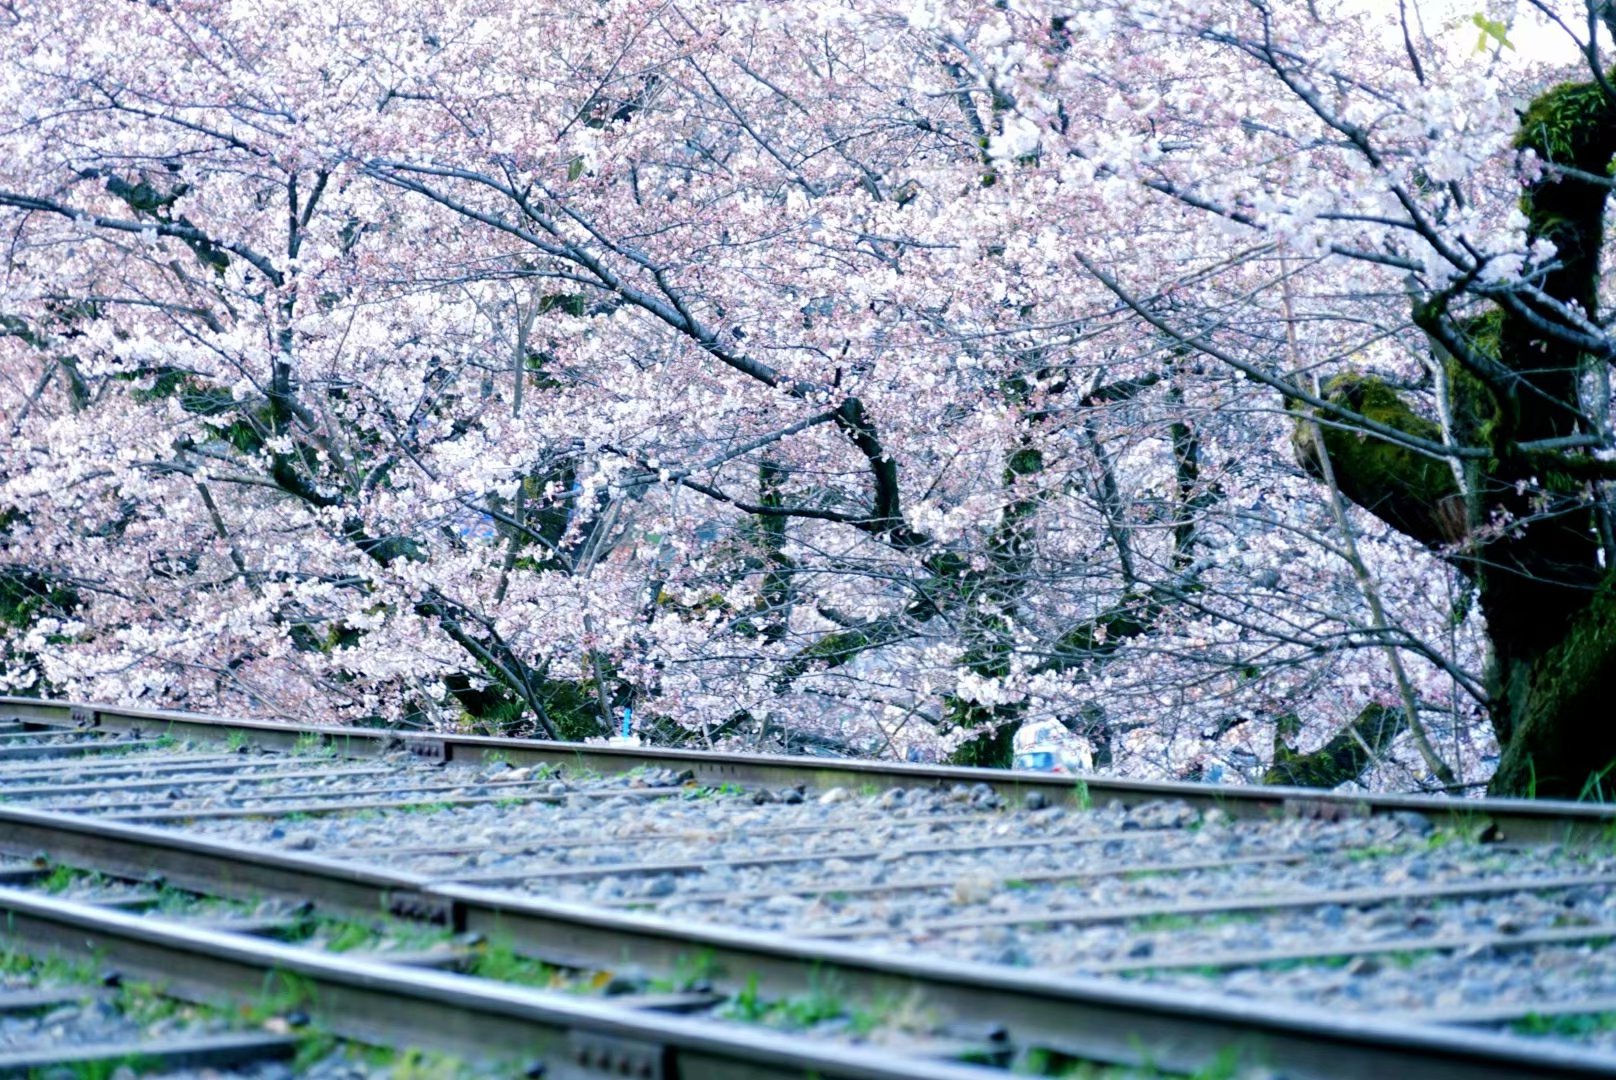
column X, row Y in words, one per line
column 1553, row 706
column 1353, row 749
column 1524, row 523
column 994, row 746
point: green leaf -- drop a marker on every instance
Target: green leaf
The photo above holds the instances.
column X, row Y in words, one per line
column 576, row 169
column 1491, row 28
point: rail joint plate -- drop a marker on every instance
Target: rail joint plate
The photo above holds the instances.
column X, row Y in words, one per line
column 437, row 910
column 1325, row 809
column 592, row 1054
column 83, row 716
column 430, row 749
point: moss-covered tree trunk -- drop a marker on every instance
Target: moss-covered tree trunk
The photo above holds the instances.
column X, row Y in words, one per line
column 1523, row 525
column 1554, row 701
column 1353, row 749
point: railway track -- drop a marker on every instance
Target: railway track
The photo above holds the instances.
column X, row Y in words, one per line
column 780, row 917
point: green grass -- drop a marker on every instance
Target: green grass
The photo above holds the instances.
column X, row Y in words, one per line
column 164, row 742
column 139, row 1064
column 236, row 740
column 1171, row 922
column 804, row 1011
column 413, row 1064
column 52, row 969
column 144, row 1003
column 282, row 992
column 500, row 962
column 1227, row 1065
column 172, row 901
column 822, row 1002
column 1165, row 923
column 747, row 1005
column 349, row 935
column 311, row 744
column 689, row 971
column 1594, row 788
column 579, row 771
column 425, row 807
column 60, row 879
column 1460, row 827
column 1566, row 1026
column 1372, row 851
column 714, row 791
column 147, row 1004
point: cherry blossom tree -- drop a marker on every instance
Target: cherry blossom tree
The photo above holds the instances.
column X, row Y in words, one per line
column 888, row 375
column 1501, row 465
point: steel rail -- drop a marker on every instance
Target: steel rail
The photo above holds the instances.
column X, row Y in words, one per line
column 391, row 1005
column 313, row 808
column 1229, row 905
column 83, row 748
column 46, row 791
column 845, row 890
column 1507, row 1012
column 1089, row 1018
column 165, row 802
column 700, row 863
column 1523, row 820
column 1237, row 958
column 338, row 804
column 119, row 766
column 193, row 1052
column 38, row 999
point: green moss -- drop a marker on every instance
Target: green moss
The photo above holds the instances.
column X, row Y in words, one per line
column 994, row 748
column 1559, row 709
column 839, row 647
column 25, row 596
column 1397, row 484
column 1023, row 462
column 1563, row 124
column 1128, row 618
column 1341, row 759
column 1474, row 411
column 574, row 304
column 239, row 426
column 570, row 706
column 1568, row 125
